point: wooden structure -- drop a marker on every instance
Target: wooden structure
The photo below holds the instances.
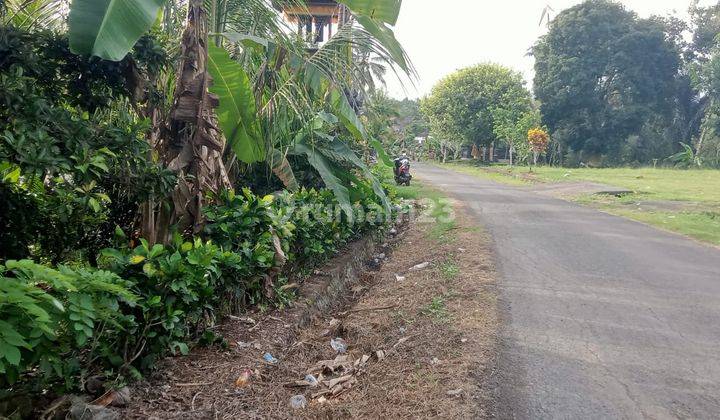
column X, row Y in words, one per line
column 314, row 18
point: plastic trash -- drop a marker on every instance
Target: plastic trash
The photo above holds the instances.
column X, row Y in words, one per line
column 298, row 402
column 338, row 344
column 270, row 359
column 312, row 380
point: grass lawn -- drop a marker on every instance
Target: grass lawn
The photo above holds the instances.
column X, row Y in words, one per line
column 696, row 185
column 683, row 201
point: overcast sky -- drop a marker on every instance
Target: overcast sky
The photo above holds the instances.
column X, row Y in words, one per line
column 444, row 36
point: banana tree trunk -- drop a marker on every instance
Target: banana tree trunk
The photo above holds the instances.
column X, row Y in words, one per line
column 190, row 144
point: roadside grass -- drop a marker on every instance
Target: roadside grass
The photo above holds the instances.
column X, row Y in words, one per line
column 682, row 201
column 704, row 226
column 440, row 212
column 443, row 218
column 449, row 269
column 436, row 309
column 418, row 191
column 693, row 185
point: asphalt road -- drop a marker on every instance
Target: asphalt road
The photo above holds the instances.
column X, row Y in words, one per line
column 603, row 317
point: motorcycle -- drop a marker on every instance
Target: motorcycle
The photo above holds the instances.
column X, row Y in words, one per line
column 402, row 171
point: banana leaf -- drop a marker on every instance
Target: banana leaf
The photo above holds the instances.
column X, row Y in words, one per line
column 236, row 113
column 109, row 28
column 327, row 170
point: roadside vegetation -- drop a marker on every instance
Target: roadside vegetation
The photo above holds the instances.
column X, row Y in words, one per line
column 166, row 163
column 424, row 341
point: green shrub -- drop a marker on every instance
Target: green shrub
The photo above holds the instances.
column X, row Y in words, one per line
column 60, row 326
column 179, row 286
column 72, row 152
column 60, row 322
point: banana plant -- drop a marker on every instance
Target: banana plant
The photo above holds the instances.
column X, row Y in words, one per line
column 236, row 112
column 109, row 29
column 329, row 156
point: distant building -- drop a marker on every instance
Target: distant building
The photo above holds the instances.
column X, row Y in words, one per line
column 316, row 20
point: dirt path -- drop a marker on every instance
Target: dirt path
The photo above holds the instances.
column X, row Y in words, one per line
column 435, row 329
column 603, row 317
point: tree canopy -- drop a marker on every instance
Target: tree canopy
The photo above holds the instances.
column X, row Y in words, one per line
column 602, row 74
column 460, row 107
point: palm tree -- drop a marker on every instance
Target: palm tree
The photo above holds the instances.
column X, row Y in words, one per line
column 34, row 14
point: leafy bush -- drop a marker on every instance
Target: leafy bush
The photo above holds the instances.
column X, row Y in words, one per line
column 70, row 324
column 309, row 224
column 60, row 326
column 71, row 152
column 58, row 321
column 179, row 287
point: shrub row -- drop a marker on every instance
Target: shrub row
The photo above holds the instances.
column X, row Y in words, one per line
column 62, row 325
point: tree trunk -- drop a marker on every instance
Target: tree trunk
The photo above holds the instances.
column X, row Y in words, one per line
column 190, row 144
column 511, row 154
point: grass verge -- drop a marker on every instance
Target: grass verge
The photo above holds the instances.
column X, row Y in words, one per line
column 441, row 214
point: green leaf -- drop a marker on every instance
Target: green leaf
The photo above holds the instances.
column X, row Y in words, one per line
column 119, row 232
column 325, row 169
column 383, row 10
column 178, row 345
column 109, row 28
column 282, row 169
column 382, row 154
column 12, row 337
column 136, row 259
column 347, row 114
column 94, row 205
column 386, row 37
column 237, row 113
column 339, row 149
column 58, row 304
column 10, row 175
column 10, row 352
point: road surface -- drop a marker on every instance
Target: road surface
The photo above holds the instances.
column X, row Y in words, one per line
column 603, row 317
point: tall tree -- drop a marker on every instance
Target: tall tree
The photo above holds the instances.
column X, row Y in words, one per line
column 460, row 107
column 601, row 74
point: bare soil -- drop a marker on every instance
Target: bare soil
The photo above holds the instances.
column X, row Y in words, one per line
column 435, row 329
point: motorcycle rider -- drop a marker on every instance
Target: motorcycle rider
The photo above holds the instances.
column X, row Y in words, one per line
column 402, row 163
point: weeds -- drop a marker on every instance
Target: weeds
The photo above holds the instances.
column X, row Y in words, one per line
column 436, row 309
column 449, row 269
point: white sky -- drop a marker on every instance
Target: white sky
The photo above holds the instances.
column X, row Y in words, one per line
column 441, row 37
